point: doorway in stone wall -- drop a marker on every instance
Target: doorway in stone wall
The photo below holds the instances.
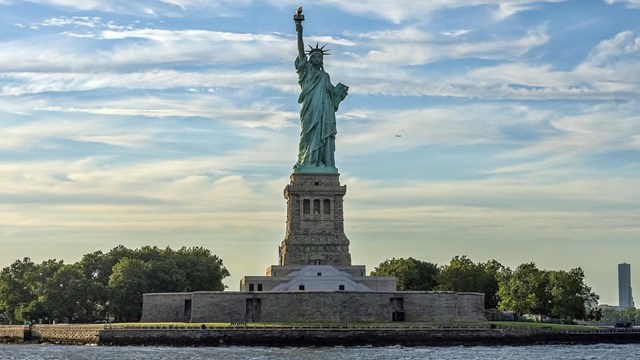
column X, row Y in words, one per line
column 397, row 309
column 253, row 309
column 187, row 310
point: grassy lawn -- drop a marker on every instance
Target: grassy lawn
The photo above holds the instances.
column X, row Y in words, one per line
column 537, row 325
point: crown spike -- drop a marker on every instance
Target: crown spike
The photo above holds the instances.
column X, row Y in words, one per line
column 318, row 49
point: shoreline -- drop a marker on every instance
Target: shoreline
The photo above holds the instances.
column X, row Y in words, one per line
column 301, row 337
column 354, row 337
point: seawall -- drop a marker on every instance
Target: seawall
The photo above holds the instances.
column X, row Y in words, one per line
column 67, row 334
column 356, row 337
column 296, row 336
column 14, row 333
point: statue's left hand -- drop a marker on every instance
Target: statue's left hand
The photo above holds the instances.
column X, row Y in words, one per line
column 343, row 90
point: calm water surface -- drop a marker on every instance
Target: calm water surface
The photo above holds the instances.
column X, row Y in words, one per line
column 564, row 352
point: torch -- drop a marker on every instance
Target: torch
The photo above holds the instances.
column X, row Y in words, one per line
column 298, row 18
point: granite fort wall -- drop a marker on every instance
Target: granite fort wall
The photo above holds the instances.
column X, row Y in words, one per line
column 313, row 306
column 166, row 307
column 443, row 306
column 229, row 308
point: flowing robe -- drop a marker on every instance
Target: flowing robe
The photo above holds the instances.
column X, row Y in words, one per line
column 320, row 100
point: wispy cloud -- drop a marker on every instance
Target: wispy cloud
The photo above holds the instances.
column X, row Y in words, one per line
column 456, row 33
column 395, row 11
column 621, row 48
column 148, row 8
column 158, row 47
column 634, row 4
column 20, row 83
column 597, row 129
column 511, row 77
column 400, row 10
column 43, row 133
column 411, row 46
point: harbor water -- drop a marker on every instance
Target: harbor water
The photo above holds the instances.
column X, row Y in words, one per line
column 546, row 352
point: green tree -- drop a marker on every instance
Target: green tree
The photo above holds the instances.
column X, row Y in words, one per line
column 21, row 288
column 612, row 316
column 460, row 275
column 72, row 297
column 184, row 270
column 31, row 311
column 14, row 291
column 523, row 292
column 151, row 270
column 166, row 276
column 630, row 315
column 411, row 274
column 102, row 282
column 571, row 297
column 99, row 266
column 595, row 314
column 494, row 272
column 204, row 270
column 464, row 275
column 128, row 281
column 559, row 294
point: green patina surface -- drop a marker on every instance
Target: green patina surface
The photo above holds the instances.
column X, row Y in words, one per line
column 320, row 100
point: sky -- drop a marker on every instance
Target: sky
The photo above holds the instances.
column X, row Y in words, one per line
column 496, row 129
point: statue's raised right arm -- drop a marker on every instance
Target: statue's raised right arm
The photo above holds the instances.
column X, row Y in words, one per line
column 301, row 53
column 299, row 18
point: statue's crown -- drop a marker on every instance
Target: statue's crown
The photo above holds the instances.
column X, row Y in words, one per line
column 318, row 49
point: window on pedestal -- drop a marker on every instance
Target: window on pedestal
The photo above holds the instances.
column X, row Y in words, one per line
column 327, row 206
column 316, row 206
column 306, row 206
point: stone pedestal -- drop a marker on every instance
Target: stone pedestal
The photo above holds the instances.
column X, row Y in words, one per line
column 315, row 222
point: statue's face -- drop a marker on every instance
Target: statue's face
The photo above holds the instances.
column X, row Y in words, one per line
column 316, row 59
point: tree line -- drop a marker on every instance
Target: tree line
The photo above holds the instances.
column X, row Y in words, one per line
column 615, row 316
column 110, row 285
column 526, row 290
column 103, row 285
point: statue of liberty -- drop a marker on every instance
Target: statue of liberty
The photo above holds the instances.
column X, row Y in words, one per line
column 320, row 101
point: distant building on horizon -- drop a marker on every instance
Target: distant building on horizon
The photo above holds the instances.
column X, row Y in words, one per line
column 625, row 295
column 608, row 307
